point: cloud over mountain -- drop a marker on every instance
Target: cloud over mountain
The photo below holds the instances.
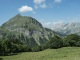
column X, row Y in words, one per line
column 25, row 9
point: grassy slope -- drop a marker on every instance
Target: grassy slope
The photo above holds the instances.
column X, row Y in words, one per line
column 69, row 53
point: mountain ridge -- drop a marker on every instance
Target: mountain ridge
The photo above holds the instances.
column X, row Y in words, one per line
column 68, row 28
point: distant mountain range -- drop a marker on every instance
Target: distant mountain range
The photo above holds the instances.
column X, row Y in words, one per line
column 68, row 28
column 27, row 29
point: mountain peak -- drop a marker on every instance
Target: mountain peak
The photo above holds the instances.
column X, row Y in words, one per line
column 19, row 21
column 18, row 15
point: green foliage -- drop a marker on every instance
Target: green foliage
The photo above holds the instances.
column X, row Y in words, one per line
column 55, row 42
column 26, row 48
column 7, row 47
column 16, row 41
column 71, row 40
column 0, row 48
column 23, row 48
column 72, row 37
column 44, row 46
column 78, row 44
column 66, row 42
column 36, row 49
column 14, row 48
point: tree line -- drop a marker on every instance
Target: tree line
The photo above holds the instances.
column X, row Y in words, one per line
column 8, row 47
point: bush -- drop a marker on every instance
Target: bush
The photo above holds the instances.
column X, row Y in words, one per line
column 55, row 42
column 44, row 46
column 14, row 48
column 78, row 44
column 36, row 49
column 66, row 43
column 26, row 48
column 6, row 47
column 71, row 40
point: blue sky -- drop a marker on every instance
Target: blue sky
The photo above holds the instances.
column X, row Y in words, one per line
column 45, row 11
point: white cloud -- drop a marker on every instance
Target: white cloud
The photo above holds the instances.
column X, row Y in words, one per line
column 57, row 1
column 38, row 1
column 39, row 4
column 43, row 5
column 25, row 9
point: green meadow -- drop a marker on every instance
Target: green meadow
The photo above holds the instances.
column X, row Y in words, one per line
column 66, row 53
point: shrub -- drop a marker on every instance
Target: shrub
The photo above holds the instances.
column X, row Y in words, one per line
column 6, row 47
column 36, row 49
column 71, row 40
column 55, row 42
column 78, row 44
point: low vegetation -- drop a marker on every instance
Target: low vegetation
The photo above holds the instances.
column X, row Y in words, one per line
column 9, row 47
